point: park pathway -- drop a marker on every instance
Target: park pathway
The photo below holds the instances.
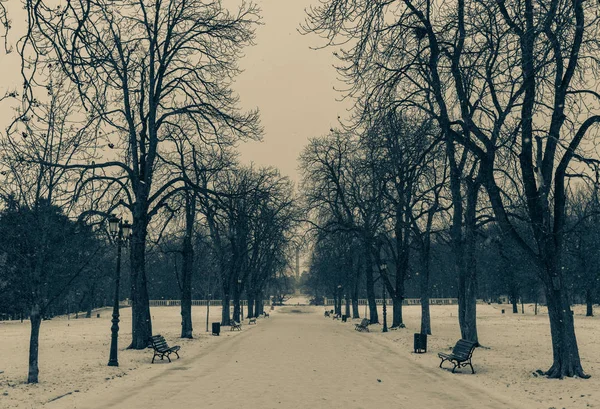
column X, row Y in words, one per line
column 295, row 359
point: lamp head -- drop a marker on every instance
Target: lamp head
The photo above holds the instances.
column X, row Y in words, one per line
column 113, row 225
column 127, row 230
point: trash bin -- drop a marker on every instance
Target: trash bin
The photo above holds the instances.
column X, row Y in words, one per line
column 216, row 328
column 344, row 318
column 420, row 343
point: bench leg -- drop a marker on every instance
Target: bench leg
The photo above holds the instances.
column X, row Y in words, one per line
column 176, row 353
column 442, row 362
column 168, row 357
column 153, row 357
column 471, row 365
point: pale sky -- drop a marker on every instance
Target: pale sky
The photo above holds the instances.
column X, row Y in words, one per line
column 291, row 85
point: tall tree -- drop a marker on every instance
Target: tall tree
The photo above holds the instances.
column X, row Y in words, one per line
column 141, row 68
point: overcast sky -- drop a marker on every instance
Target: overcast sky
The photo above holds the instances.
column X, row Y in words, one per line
column 291, row 84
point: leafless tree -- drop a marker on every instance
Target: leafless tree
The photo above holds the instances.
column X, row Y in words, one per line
column 343, row 192
column 41, row 194
column 142, row 68
column 505, row 82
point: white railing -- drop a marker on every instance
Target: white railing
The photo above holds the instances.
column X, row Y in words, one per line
column 406, row 301
column 177, row 303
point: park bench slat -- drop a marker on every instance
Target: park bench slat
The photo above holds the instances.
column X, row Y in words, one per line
column 162, row 349
column 461, row 355
column 363, row 326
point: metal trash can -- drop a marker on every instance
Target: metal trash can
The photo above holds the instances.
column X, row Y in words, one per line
column 420, row 343
column 216, row 328
column 344, row 318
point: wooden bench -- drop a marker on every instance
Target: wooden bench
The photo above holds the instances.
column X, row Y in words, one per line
column 461, row 355
column 251, row 321
column 235, row 325
column 363, row 326
column 162, row 349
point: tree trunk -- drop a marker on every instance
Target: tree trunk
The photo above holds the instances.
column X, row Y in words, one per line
column 251, row 297
column 188, row 267
column 355, row 307
column 467, row 278
column 397, row 312
column 514, row 292
column 141, row 324
column 347, row 312
column 34, row 342
column 589, row 303
column 236, row 302
column 424, row 287
column 91, row 298
column 566, row 361
column 225, row 317
column 258, row 304
column 403, row 232
column 373, row 317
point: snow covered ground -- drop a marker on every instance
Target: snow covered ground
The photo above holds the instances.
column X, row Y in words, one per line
column 297, row 358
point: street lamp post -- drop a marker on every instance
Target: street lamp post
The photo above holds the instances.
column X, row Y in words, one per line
column 120, row 231
column 385, row 328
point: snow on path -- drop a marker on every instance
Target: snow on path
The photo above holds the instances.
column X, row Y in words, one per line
column 295, row 359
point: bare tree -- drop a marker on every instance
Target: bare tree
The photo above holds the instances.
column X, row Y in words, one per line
column 48, row 250
column 343, row 192
column 486, row 71
column 142, row 68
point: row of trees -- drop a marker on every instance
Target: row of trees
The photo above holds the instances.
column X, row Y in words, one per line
column 483, row 111
column 127, row 107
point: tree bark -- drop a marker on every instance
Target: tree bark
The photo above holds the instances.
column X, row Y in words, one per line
column 397, row 312
column 251, row 297
column 34, row 342
column 467, row 277
column 589, row 303
column 236, row 302
column 225, row 317
column 373, row 317
column 564, row 346
column 90, row 300
column 355, row 308
column 140, row 309
column 424, row 286
column 188, row 267
column 258, row 303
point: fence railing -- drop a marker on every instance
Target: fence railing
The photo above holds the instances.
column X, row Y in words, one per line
column 177, row 303
column 406, row 301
